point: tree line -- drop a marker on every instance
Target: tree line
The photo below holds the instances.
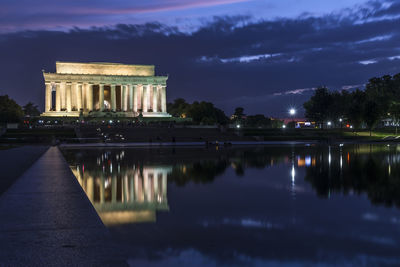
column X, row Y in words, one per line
column 361, row 108
column 10, row 111
column 206, row 113
column 200, row 112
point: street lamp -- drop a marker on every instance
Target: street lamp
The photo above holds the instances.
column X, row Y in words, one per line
column 292, row 112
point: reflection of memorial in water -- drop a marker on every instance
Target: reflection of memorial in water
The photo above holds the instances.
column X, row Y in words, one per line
column 125, row 195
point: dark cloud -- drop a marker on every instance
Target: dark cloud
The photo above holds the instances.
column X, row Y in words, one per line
column 230, row 61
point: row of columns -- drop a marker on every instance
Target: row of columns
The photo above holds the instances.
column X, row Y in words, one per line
column 77, row 96
column 151, row 187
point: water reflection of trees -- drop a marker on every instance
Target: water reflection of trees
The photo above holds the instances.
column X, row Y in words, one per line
column 369, row 169
column 198, row 172
column 206, row 170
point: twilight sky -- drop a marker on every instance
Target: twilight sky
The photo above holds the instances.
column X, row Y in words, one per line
column 264, row 55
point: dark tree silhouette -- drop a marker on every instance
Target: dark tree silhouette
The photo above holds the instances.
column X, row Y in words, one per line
column 10, row 111
column 31, row 110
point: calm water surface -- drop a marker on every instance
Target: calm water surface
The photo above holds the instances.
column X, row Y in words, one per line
column 288, row 205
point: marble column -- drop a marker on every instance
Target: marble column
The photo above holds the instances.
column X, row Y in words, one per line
column 122, row 97
column 101, row 97
column 89, row 96
column 149, row 98
column 62, row 95
column 145, row 98
column 58, row 97
column 135, row 100
column 155, row 93
column 48, row 97
column 120, row 100
column 78, row 89
column 84, row 96
column 125, row 98
column 113, row 98
column 163, row 99
column 68, row 97
column 73, row 96
column 140, row 97
column 130, row 87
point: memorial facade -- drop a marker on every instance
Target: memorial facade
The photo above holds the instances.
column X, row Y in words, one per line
column 97, row 89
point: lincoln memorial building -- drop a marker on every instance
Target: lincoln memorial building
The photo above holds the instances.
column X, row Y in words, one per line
column 98, row 88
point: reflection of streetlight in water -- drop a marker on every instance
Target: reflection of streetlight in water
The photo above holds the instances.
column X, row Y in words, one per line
column 293, row 188
column 293, row 176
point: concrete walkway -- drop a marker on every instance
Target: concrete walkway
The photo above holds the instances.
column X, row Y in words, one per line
column 47, row 220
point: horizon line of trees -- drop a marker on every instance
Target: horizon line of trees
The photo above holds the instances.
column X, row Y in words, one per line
column 206, row 113
column 362, row 108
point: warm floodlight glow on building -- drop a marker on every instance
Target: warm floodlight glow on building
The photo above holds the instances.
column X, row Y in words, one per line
column 292, row 111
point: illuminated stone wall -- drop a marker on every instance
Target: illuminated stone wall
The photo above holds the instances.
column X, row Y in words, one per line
column 104, row 69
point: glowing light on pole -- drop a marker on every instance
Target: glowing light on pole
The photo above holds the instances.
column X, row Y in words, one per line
column 292, row 112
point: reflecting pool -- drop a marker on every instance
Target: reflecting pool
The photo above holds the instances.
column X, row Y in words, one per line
column 269, row 205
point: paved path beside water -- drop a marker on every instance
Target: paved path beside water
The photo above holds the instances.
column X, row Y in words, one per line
column 47, row 220
column 14, row 161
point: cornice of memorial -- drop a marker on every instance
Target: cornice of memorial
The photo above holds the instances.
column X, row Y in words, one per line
column 103, row 79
